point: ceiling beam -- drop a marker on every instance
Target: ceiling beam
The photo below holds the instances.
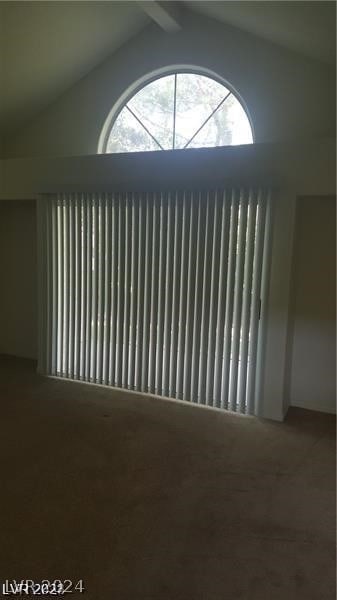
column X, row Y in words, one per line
column 166, row 14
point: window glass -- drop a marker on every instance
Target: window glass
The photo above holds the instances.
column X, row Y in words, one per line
column 181, row 110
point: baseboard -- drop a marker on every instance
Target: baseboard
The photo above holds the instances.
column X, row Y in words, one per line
column 326, row 407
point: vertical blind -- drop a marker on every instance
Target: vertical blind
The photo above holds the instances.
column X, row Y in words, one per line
column 155, row 292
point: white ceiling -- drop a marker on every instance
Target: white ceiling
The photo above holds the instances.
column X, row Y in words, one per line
column 306, row 27
column 46, row 47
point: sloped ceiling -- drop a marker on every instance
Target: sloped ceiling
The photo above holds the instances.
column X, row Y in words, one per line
column 46, row 47
column 305, row 27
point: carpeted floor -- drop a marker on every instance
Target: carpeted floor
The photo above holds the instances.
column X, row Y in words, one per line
column 145, row 499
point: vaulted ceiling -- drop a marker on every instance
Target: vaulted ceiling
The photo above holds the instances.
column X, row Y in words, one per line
column 305, row 27
column 46, row 47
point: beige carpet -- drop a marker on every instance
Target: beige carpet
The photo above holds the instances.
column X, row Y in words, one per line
column 150, row 499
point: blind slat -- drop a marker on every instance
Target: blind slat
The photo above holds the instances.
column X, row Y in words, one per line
column 256, row 301
column 214, row 269
column 168, row 298
column 161, row 294
column 182, row 355
column 246, row 306
column 154, row 299
column 205, row 305
column 235, row 357
column 175, row 293
column 88, row 309
column 147, row 295
column 221, row 305
column 230, row 286
column 107, row 292
column 134, row 285
column 114, row 291
column 127, row 277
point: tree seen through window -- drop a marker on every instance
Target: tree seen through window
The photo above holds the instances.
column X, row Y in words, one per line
column 181, row 110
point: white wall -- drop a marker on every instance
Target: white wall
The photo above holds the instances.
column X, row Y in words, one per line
column 304, row 168
column 288, row 96
column 18, row 279
column 313, row 357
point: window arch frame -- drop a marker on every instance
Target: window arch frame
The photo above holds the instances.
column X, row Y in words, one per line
column 145, row 80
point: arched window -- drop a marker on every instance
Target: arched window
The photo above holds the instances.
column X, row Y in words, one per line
column 178, row 110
